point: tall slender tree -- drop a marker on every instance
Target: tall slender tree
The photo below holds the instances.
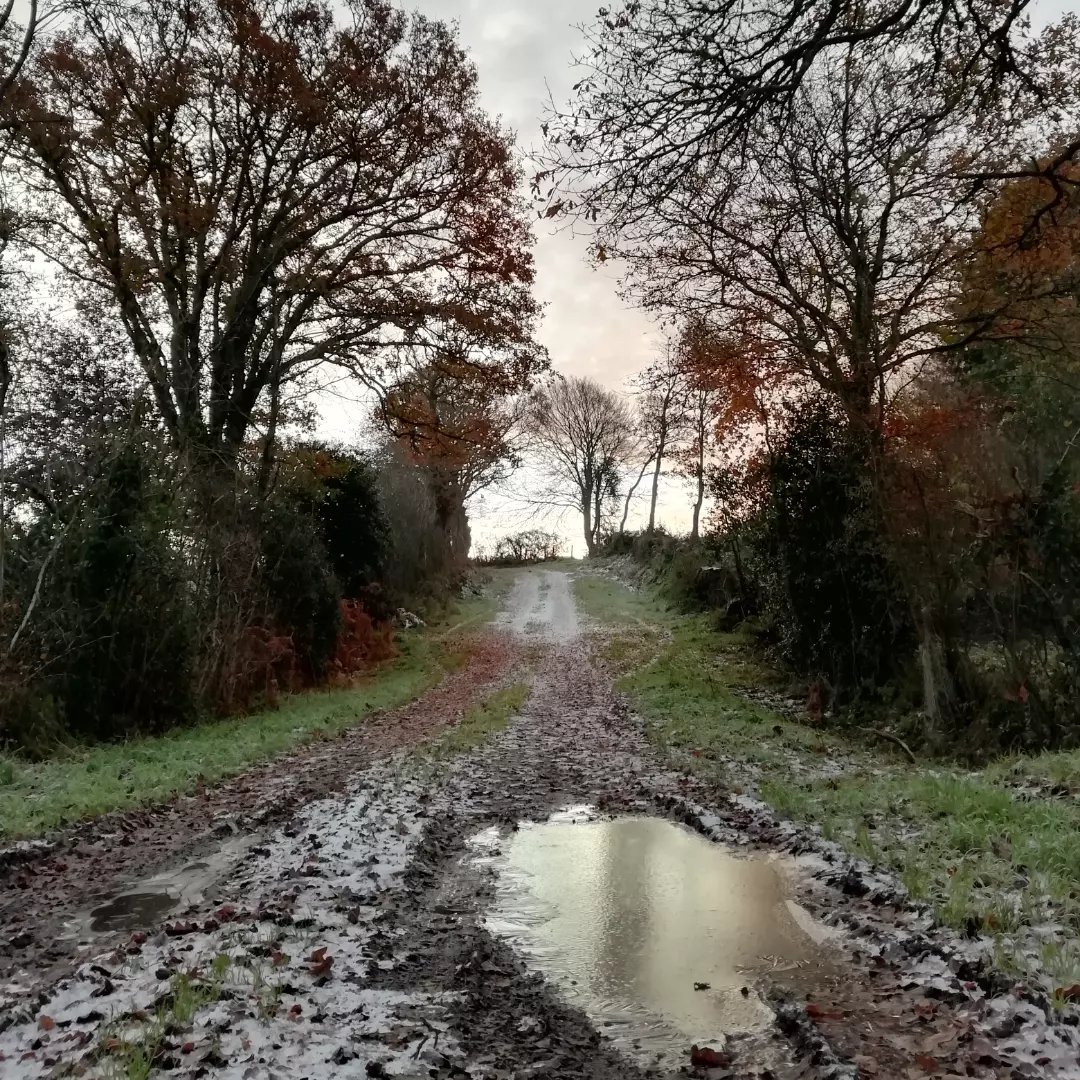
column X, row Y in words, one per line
column 662, row 401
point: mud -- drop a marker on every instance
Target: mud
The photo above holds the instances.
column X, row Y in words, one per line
column 48, row 888
column 362, row 933
column 146, row 901
column 541, row 607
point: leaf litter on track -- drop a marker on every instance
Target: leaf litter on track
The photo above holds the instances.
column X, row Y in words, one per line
column 351, row 941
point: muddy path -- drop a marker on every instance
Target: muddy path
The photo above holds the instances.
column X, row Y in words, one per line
column 48, row 887
column 556, row 903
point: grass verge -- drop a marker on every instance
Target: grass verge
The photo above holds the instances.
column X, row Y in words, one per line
column 995, row 851
column 85, row 782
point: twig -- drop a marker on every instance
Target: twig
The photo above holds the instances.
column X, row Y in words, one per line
column 891, row 738
column 37, row 591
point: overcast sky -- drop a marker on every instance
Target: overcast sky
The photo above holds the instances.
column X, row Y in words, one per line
column 522, row 48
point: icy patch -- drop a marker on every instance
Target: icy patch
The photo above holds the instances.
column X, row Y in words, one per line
column 542, row 607
column 271, row 983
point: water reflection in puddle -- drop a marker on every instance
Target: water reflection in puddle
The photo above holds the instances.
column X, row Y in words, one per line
column 650, row 927
column 130, row 911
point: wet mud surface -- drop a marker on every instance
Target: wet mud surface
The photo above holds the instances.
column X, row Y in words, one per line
column 408, row 925
column 46, row 888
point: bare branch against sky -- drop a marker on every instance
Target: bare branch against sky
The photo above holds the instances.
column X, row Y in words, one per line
column 524, row 51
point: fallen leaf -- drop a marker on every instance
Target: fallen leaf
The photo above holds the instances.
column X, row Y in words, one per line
column 816, row 1012
column 927, row 1063
column 705, row 1057
column 46, row 1023
column 322, row 967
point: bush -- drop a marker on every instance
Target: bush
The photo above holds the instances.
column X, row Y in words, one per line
column 31, row 719
column 525, row 548
column 422, row 568
column 115, row 622
column 300, row 590
column 361, row 642
column 829, row 589
column 352, row 524
column 617, row 543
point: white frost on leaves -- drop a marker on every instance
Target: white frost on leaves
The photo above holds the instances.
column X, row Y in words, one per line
column 270, row 984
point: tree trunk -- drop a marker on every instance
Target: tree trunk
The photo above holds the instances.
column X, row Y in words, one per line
column 660, row 447
column 586, row 513
column 266, row 462
column 695, row 530
column 630, row 495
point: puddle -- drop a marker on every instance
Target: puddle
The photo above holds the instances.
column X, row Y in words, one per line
column 658, row 934
column 131, row 911
column 145, row 903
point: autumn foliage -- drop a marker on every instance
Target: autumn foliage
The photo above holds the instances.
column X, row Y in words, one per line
column 245, row 202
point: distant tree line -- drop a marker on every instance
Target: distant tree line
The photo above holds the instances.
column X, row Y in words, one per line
column 523, row 549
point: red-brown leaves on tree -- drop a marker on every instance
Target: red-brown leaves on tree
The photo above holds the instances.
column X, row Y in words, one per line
column 386, row 213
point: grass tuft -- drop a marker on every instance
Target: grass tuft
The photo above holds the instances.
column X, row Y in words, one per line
column 482, row 722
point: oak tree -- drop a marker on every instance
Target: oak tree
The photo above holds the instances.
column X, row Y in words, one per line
column 260, row 187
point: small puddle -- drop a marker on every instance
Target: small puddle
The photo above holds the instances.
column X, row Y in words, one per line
column 144, row 903
column 131, row 911
column 657, row 933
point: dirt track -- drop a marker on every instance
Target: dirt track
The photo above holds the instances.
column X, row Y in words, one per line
column 355, row 929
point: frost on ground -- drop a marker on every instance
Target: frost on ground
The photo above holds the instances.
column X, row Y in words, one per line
column 273, row 981
column 352, row 942
column 541, row 606
column 990, row 1022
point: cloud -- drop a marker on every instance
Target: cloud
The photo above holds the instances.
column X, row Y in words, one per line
column 522, row 50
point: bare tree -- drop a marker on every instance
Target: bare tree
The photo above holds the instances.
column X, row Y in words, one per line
column 669, row 86
column 583, row 437
column 833, row 242
column 645, row 455
column 663, row 398
column 15, row 42
column 699, row 415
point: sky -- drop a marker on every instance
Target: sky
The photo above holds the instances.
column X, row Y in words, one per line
column 521, row 48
